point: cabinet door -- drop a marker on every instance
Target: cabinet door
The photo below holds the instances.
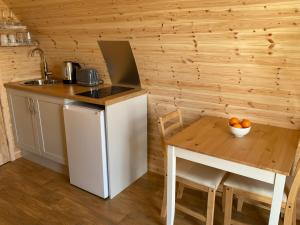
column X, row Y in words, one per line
column 24, row 122
column 51, row 129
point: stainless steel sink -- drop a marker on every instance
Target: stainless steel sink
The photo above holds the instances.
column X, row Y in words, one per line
column 40, row 82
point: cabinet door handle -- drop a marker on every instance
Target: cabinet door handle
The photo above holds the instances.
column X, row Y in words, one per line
column 33, row 106
column 29, row 105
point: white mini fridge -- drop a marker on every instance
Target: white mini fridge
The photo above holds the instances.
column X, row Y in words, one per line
column 86, row 147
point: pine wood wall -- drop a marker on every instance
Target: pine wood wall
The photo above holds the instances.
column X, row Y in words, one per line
column 15, row 65
column 223, row 58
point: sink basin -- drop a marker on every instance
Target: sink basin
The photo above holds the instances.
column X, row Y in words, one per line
column 40, row 82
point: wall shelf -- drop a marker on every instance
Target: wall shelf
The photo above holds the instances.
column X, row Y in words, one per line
column 12, row 27
column 20, row 45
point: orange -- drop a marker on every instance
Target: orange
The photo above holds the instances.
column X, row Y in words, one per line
column 237, row 125
column 233, row 121
column 246, row 123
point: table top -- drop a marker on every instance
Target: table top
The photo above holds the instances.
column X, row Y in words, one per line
column 265, row 147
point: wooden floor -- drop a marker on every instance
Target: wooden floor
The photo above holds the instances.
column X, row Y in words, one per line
column 33, row 195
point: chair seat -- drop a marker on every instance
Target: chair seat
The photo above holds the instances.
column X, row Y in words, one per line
column 200, row 174
column 251, row 185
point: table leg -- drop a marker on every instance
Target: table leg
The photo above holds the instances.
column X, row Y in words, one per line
column 171, row 186
column 277, row 199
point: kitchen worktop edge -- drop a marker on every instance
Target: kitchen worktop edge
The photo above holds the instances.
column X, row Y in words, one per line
column 69, row 91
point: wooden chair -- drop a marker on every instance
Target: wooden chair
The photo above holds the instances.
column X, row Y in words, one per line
column 189, row 174
column 247, row 188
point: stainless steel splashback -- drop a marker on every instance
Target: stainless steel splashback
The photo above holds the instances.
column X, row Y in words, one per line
column 120, row 63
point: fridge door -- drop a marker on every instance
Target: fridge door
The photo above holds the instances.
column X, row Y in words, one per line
column 86, row 148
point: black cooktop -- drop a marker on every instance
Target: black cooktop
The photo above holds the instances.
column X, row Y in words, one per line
column 104, row 92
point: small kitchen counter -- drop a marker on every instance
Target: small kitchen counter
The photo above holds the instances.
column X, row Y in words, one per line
column 69, row 91
column 119, row 129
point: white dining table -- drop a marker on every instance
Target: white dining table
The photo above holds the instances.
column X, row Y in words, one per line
column 266, row 154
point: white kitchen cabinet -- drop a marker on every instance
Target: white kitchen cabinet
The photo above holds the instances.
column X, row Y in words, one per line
column 24, row 122
column 39, row 132
column 126, row 134
column 51, row 128
column 38, row 124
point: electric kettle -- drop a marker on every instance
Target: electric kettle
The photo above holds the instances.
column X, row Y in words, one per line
column 70, row 69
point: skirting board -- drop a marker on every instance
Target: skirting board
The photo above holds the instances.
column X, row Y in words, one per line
column 57, row 167
column 18, row 154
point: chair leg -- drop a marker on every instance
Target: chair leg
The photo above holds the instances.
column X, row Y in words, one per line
column 295, row 215
column 240, row 203
column 289, row 212
column 210, row 206
column 180, row 190
column 228, row 205
column 223, row 200
column 163, row 212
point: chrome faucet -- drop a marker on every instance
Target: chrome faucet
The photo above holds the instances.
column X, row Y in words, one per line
column 44, row 66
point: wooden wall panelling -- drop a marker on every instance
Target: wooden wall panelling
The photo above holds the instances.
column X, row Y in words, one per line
column 15, row 65
column 4, row 151
column 219, row 57
column 3, row 5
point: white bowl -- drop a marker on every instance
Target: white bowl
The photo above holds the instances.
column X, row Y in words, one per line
column 239, row 132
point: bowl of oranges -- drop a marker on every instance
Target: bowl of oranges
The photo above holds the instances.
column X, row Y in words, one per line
column 239, row 128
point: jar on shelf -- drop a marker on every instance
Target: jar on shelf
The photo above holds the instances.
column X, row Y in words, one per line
column 4, row 40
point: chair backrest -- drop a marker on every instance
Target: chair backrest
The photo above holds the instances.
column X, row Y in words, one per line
column 292, row 197
column 295, row 184
column 170, row 122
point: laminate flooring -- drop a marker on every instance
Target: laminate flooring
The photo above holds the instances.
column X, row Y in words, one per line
column 32, row 195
